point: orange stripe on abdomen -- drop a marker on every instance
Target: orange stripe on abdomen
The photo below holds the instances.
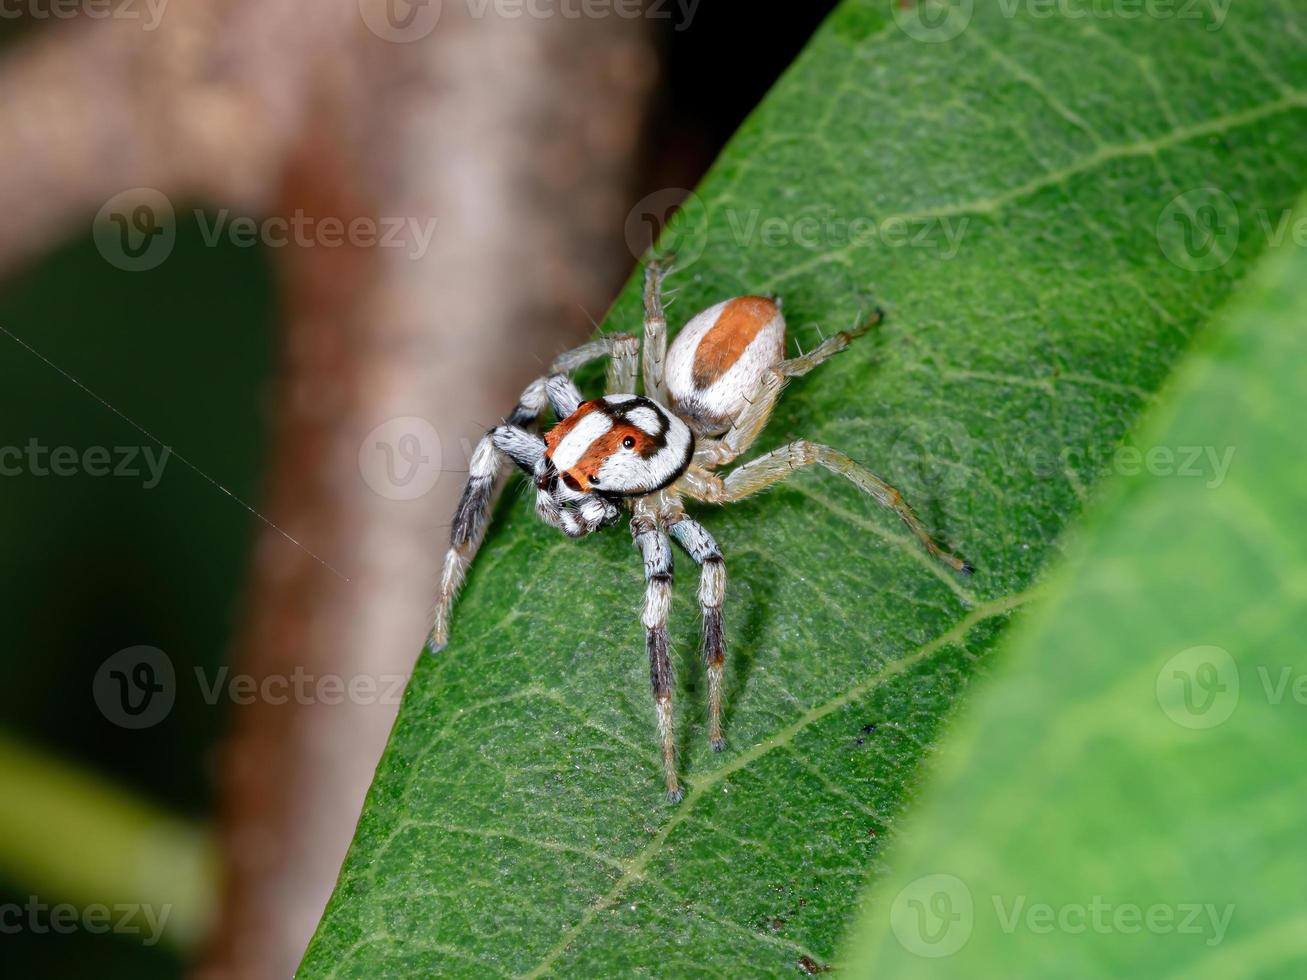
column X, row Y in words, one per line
column 728, row 338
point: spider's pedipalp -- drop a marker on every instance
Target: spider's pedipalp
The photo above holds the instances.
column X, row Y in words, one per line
column 524, row 448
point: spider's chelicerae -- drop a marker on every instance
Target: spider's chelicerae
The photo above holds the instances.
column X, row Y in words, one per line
column 706, row 398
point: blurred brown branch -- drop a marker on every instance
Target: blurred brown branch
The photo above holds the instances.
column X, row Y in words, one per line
column 518, row 137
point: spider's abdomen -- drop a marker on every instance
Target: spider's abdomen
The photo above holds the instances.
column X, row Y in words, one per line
column 621, row 445
column 718, row 358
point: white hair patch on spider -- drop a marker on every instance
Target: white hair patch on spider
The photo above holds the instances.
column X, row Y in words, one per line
column 716, row 362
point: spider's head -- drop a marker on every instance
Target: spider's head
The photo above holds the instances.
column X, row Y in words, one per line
column 618, row 446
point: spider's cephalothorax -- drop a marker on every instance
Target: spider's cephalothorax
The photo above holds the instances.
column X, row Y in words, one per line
column 705, row 401
column 620, row 445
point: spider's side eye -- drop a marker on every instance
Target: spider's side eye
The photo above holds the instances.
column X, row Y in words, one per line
column 628, row 442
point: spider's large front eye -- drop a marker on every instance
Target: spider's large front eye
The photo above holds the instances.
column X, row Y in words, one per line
column 628, row 442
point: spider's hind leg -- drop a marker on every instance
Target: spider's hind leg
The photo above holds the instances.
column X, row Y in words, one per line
column 779, row 464
column 797, row 367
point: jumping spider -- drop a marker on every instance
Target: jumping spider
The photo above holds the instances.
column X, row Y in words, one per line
column 706, row 399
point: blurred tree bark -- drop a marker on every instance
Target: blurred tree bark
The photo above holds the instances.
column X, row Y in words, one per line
column 519, row 137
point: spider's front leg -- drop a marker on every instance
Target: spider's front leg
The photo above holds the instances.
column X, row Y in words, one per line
column 624, row 367
column 656, row 550
column 527, row 450
column 655, row 329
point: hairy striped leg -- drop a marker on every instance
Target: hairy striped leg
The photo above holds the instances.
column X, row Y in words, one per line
column 655, row 330
column 656, row 550
column 487, row 465
column 777, row 465
column 746, row 428
column 695, row 539
column 624, row 368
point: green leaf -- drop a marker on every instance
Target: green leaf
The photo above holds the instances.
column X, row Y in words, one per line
column 1018, row 178
column 1125, row 799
